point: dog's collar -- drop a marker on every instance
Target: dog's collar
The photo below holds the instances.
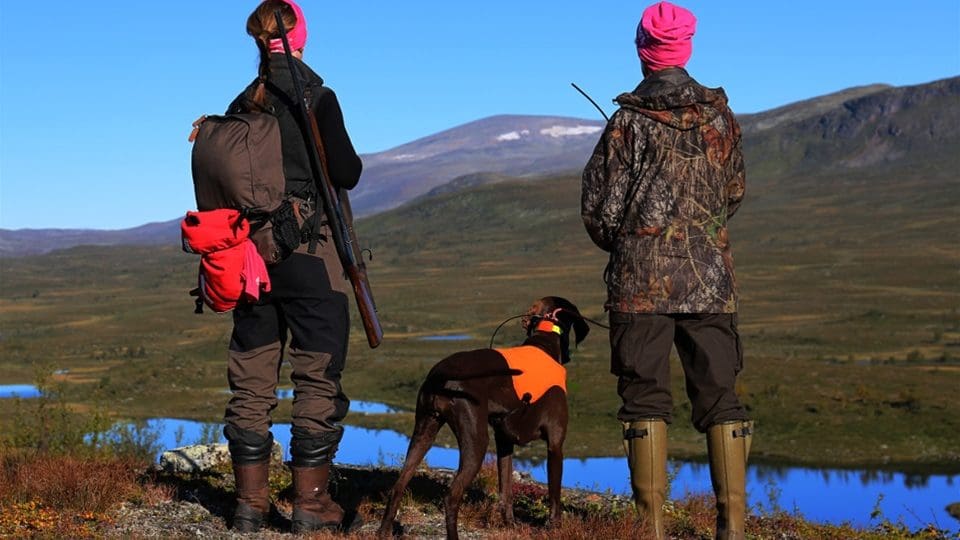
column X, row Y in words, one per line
column 548, row 326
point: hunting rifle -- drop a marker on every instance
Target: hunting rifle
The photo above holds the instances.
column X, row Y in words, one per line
column 632, row 192
column 336, row 205
column 578, row 89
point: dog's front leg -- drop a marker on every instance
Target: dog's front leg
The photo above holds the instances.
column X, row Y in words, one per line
column 505, row 476
column 554, row 476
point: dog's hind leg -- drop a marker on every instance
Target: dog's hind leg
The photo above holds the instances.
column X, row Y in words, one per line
column 470, row 427
column 505, row 475
column 424, row 432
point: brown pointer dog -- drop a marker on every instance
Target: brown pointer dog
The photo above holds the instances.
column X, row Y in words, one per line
column 471, row 389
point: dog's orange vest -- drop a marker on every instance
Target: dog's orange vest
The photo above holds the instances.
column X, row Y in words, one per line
column 538, row 371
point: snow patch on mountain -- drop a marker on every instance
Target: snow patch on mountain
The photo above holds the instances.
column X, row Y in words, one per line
column 407, row 157
column 512, row 135
column 569, row 131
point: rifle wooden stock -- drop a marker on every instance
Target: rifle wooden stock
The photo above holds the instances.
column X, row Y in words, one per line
column 337, row 208
column 365, row 305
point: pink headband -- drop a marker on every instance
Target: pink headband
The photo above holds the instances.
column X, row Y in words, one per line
column 297, row 36
column 664, row 36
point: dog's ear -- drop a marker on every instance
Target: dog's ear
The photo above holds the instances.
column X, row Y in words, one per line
column 580, row 329
column 571, row 318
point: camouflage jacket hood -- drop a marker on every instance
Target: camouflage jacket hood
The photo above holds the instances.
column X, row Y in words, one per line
column 657, row 192
column 673, row 98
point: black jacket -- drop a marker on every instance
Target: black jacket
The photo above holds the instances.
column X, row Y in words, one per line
column 301, row 275
column 343, row 162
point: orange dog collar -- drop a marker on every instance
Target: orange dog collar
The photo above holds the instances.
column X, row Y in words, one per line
column 548, row 326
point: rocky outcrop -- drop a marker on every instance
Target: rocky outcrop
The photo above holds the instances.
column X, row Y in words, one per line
column 201, row 458
column 903, row 126
column 810, row 108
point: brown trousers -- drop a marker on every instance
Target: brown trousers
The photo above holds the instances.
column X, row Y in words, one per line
column 319, row 329
column 710, row 353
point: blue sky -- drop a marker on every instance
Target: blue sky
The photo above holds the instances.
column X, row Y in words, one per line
column 96, row 100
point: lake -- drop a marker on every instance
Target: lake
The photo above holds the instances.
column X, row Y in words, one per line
column 356, row 407
column 23, row 391
column 823, row 495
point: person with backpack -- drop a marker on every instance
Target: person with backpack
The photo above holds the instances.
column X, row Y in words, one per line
column 308, row 297
column 657, row 193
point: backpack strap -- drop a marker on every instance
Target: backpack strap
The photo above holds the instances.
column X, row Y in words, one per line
column 311, row 228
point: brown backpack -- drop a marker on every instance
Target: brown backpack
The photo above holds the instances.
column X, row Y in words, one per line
column 237, row 162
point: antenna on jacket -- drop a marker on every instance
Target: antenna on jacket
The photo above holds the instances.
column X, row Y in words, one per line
column 605, row 117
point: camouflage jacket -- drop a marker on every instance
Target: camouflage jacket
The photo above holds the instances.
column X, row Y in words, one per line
column 657, row 192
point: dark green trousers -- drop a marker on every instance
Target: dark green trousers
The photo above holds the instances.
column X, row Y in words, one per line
column 710, row 353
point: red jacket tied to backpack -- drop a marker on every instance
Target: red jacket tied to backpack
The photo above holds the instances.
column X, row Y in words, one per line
column 230, row 267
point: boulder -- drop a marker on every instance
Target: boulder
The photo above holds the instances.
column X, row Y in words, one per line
column 205, row 457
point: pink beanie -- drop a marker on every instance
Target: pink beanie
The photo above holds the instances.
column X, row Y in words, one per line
column 664, row 36
column 297, row 36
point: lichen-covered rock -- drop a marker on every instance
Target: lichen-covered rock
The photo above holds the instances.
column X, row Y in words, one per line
column 204, row 458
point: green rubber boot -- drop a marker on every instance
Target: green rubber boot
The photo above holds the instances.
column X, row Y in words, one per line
column 728, row 445
column 645, row 442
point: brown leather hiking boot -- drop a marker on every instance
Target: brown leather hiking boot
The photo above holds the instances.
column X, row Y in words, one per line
column 253, row 496
column 728, row 445
column 646, row 445
column 313, row 508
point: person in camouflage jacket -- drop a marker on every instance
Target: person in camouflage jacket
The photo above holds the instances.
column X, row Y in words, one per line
column 657, row 193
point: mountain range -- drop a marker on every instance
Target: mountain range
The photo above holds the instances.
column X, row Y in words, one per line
column 873, row 128
column 511, row 145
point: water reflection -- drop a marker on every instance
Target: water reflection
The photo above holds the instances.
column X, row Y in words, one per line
column 371, row 407
column 22, row 391
column 357, row 407
column 823, row 495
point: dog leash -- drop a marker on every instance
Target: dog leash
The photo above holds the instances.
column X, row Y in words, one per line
column 595, row 323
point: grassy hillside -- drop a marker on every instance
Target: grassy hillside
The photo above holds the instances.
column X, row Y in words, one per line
column 850, row 317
